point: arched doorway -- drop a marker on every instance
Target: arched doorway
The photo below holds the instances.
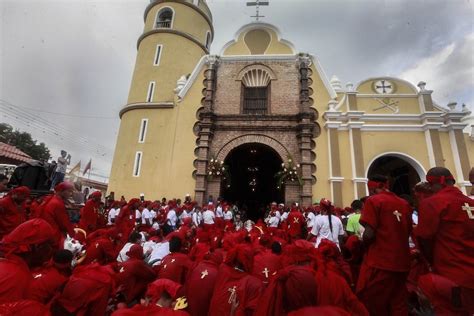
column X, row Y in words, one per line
column 403, row 174
column 252, row 168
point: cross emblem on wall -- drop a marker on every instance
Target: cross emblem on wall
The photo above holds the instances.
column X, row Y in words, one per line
column 383, row 87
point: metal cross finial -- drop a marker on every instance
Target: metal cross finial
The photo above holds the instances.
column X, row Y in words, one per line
column 257, row 4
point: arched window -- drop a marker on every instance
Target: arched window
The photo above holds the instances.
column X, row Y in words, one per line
column 164, row 18
column 208, row 40
column 256, row 92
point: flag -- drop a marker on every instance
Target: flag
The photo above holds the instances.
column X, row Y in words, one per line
column 76, row 168
column 88, row 167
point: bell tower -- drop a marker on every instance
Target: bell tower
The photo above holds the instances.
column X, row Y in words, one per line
column 176, row 35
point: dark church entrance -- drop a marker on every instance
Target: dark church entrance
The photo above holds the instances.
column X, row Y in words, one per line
column 252, row 169
column 401, row 174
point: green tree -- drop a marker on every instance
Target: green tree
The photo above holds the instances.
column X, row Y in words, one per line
column 24, row 142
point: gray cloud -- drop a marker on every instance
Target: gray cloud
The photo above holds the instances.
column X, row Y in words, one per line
column 77, row 57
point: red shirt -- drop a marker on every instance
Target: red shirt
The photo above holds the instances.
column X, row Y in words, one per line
column 11, row 215
column 444, row 219
column 231, row 282
column 174, row 266
column 54, row 212
column 15, row 277
column 199, row 287
column 45, row 284
column 101, row 250
column 89, row 216
column 150, row 310
column 390, row 217
column 134, row 275
column 265, row 265
column 295, row 221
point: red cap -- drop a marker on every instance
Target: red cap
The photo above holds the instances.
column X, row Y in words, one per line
column 156, row 288
column 63, row 186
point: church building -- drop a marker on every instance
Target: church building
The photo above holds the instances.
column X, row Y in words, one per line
column 262, row 122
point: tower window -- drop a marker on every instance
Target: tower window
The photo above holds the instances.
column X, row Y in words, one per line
column 138, row 164
column 164, row 18
column 143, row 128
column 255, row 100
column 156, row 61
column 208, row 40
column 151, row 91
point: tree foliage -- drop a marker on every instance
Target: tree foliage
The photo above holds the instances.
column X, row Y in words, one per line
column 24, row 142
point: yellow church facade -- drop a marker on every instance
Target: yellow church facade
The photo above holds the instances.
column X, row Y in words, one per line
column 234, row 125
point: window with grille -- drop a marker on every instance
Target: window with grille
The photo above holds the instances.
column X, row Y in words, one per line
column 164, row 18
column 255, row 100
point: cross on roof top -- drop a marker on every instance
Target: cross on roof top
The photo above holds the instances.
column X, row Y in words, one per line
column 257, row 4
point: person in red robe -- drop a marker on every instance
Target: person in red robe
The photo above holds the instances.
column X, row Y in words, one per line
column 445, row 234
column 161, row 300
column 296, row 223
column 90, row 212
column 134, row 275
column 292, row 288
column 24, row 308
column 26, row 247
column 320, row 311
column 53, row 210
column 267, row 263
column 236, row 292
column 200, row 284
column 175, row 265
column 125, row 221
column 87, row 292
column 49, row 280
column 388, row 222
column 101, row 248
column 12, row 209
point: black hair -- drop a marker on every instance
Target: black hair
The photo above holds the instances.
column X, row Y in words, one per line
column 175, row 244
column 329, row 211
column 440, row 172
column 63, row 256
column 357, row 205
column 276, row 248
column 134, row 237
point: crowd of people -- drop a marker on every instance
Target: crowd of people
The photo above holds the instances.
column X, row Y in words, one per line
column 383, row 255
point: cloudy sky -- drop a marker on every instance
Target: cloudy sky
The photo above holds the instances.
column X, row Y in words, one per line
column 66, row 65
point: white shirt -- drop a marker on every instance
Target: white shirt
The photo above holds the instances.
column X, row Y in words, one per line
column 111, row 216
column 122, row 256
column 183, row 215
column 159, row 251
column 228, row 215
column 277, row 213
column 284, row 216
column 322, row 230
column 208, row 217
column 146, row 214
column 310, row 219
column 138, row 215
column 197, row 218
column 219, row 212
column 152, row 214
column 171, row 218
column 274, row 221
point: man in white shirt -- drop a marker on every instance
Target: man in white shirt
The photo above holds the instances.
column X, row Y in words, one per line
column 228, row 216
column 197, row 216
column 111, row 216
column 135, row 238
column 208, row 217
column 184, row 214
column 146, row 217
column 325, row 227
column 310, row 217
column 138, row 214
column 171, row 220
column 273, row 222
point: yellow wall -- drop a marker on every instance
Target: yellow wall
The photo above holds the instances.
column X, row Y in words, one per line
column 179, row 57
column 274, row 47
column 186, row 19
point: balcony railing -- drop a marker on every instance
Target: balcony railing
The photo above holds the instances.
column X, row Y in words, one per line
column 163, row 24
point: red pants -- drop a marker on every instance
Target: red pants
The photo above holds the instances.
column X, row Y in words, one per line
column 383, row 292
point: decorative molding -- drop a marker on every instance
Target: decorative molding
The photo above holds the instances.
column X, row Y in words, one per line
column 415, row 90
column 198, row 9
column 257, row 25
column 336, row 179
column 145, row 106
column 175, row 32
column 197, row 70
column 360, row 180
column 407, row 158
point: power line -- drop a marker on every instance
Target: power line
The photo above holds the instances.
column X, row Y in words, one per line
column 62, row 114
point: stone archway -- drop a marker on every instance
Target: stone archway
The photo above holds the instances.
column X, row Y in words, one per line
column 253, row 138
